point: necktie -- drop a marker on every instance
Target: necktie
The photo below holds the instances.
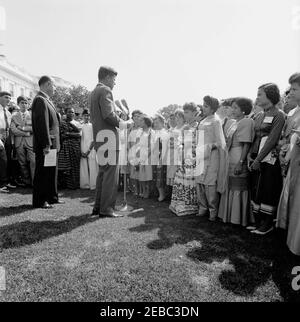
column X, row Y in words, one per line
column 6, row 125
column 6, row 120
column 23, row 118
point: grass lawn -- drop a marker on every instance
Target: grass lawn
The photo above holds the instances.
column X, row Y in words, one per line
column 63, row 255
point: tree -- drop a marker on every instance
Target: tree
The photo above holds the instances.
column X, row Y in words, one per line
column 75, row 97
column 61, row 98
column 79, row 97
column 167, row 110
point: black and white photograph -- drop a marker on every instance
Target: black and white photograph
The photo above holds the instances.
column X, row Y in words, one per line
column 149, row 153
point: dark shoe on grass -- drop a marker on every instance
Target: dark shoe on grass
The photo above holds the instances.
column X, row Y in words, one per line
column 95, row 213
column 45, row 205
column 21, row 184
column 59, row 202
column 11, row 186
column 266, row 227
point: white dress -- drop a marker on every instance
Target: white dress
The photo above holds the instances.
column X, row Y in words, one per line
column 88, row 166
column 172, row 154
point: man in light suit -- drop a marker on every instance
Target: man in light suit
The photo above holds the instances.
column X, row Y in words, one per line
column 21, row 127
column 105, row 118
column 45, row 126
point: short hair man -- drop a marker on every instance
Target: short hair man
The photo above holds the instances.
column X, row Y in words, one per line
column 5, row 143
column 104, row 118
column 294, row 94
column 21, row 127
column 45, row 126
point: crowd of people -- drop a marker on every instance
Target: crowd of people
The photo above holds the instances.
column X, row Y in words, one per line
column 77, row 164
column 234, row 160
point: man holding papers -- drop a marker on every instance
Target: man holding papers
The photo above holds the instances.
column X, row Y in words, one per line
column 45, row 126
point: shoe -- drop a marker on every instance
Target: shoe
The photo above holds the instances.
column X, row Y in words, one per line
column 262, row 231
column 11, row 186
column 111, row 215
column 266, row 226
column 119, row 208
column 45, row 205
column 59, row 202
column 21, row 184
column 4, row 190
column 251, row 228
column 95, row 213
column 160, row 199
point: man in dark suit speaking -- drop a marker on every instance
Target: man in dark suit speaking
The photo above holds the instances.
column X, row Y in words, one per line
column 45, row 126
column 106, row 137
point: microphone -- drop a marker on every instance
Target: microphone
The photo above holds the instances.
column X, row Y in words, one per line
column 123, row 101
column 119, row 105
column 121, row 108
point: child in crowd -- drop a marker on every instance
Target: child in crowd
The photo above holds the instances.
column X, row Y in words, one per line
column 173, row 146
column 133, row 143
column 88, row 162
column 144, row 160
column 160, row 147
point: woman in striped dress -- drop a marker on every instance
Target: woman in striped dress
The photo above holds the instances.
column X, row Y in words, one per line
column 70, row 153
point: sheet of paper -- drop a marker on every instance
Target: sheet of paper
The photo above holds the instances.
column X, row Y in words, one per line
column 50, row 158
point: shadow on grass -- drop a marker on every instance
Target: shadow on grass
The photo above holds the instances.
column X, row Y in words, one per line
column 28, row 232
column 22, row 191
column 254, row 259
column 89, row 195
column 283, row 263
column 14, row 210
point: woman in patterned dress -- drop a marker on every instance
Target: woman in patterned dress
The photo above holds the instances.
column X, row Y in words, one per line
column 70, row 153
column 184, row 195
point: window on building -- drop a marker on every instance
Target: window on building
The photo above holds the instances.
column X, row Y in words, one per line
column 22, row 92
column 1, row 84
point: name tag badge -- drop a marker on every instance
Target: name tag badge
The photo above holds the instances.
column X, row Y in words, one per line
column 268, row 119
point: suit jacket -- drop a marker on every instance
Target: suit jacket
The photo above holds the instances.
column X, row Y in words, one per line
column 103, row 114
column 16, row 124
column 45, row 123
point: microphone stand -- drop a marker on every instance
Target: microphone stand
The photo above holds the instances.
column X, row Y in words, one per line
column 125, row 208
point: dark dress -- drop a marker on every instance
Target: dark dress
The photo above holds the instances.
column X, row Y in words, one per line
column 266, row 183
column 69, row 157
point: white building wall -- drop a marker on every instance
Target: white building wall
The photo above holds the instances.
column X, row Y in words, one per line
column 16, row 85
